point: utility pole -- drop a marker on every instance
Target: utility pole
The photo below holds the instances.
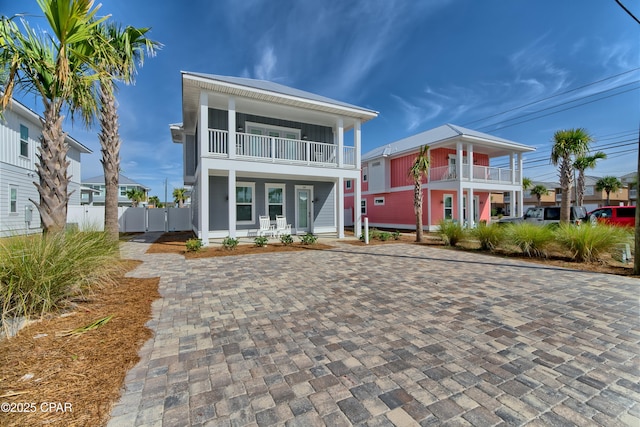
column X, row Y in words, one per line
column 636, row 256
column 165, row 194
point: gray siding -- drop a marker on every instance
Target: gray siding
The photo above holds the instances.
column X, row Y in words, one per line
column 219, row 119
column 323, row 208
column 190, row 154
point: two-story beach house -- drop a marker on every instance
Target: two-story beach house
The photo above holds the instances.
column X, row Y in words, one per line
column 96, row 197
column 256, row 148
column 20, row 130
column 459, row 182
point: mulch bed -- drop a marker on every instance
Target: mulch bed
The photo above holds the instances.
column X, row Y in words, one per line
column 75, row 380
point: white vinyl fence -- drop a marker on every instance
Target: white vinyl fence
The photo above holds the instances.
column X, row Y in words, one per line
column 132, row 219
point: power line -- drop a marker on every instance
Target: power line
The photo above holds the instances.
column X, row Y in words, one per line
column 552, row 96
column 558, row 105
column 627, row 10
column 633, row 150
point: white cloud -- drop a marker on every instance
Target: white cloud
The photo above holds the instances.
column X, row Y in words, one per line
column 265, row 69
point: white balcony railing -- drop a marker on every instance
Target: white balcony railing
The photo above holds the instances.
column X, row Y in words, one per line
column 480, row 173
column 280, row 150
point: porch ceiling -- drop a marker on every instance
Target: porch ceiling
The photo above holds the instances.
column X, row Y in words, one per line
column 263, row 102
column 257, row 175
column 490, row 148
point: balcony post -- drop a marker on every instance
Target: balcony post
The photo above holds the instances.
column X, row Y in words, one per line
column 470, row 160
column 231, row 143
column 203, row 125
column 273, row 149
column 512, row 164
column 340, row 128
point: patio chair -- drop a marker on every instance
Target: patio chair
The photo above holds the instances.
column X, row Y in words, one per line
column 282, row 228
column 265, row 227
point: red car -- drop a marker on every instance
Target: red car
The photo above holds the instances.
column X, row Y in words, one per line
column 624, row 216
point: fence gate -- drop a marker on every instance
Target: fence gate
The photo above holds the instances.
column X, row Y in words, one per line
column 132, row 219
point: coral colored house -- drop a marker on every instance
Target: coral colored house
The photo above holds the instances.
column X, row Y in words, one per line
column 387, row 189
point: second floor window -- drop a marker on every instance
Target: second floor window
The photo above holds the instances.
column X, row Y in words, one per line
column 24, row 141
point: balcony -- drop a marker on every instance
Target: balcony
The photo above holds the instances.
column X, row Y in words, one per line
column 280, row 150
column 480, row 174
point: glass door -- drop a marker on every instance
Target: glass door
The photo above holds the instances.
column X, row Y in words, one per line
column 303, row 209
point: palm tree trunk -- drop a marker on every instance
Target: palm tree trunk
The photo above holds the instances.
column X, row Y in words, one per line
column 580, row 189
column 52, row 170
column 110, row 149
column 417, row 202
column 565, row 183
column 608, row 198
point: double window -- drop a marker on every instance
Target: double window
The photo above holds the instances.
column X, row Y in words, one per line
column 24, row 141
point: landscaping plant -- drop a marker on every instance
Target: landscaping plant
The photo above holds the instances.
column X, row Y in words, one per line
column 229, row 243
column 531, row 239
column 308, row 239
column 451, row 232
column 193, row 245
column 286, row 239
column 489, row 236
column 40, row 273
column 588, row 243
column 396, row 235
column 261, row 241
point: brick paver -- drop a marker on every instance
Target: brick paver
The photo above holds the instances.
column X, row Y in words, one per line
column 392, row 334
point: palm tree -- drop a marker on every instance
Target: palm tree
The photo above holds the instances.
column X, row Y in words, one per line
column 55, row 66
column 417, row 171
column 155, row 201
column 136, row 195
column 581, row 164
column 568, row 144
column 126, row 47
column 608, row 184
column 180, row 196
column 539, row 190
column 526, row 183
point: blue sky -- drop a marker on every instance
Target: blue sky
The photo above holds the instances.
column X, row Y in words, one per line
column 419, row 63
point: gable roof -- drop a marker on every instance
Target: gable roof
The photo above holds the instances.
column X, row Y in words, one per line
column 261, row 90
column 443, row 136
column 123, row 180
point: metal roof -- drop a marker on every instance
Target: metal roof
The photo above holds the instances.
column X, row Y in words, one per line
column 123, row 180
column 446, row 135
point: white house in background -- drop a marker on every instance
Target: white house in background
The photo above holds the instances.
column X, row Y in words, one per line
column 254, row 148
column 20, row 130
column 93, row 192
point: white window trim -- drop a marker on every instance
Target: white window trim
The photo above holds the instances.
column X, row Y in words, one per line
column 363, row 204
column 267, row 186
column 365, row 174
column 444, row 206
column 280, row 129
column 378, row 201
column 25, row 140
column 253, row 202
column 11, row 187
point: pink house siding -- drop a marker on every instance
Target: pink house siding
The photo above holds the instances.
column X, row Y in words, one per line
column 400, row 170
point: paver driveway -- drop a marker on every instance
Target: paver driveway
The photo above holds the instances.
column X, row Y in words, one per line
column 384, row 335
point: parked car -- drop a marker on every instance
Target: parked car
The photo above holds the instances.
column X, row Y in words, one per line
column 615, row 215
column 547, row 215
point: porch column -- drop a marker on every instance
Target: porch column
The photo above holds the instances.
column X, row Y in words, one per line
column 459, row 180
column 232, row 129
column 203, row 124
column 357, row 210
column 340, row 204
column 470, row 209
column 428, row 209
column 470, row 160
column 231, row 190
column 512, row 203
column 357, row 142
column 520, row 166
column 340, row 128
column 521, row 192
column 520, row 203
column 512, row 164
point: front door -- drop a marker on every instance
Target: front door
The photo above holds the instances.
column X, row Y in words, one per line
column 304, row 210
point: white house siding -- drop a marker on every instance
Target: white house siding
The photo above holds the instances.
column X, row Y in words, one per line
column 12, row 223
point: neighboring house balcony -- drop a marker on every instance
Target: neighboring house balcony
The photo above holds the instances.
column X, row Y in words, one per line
column 478, row 173
column 273, row 149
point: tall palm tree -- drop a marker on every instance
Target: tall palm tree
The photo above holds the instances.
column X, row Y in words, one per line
column 55, row 66
column 126, row 48
column 539, row 190
column 180, row 196
column 568, row 144
column 155, row 201
column 581, row 164
column 609, row 184
column 417, row 172
column 526, row 183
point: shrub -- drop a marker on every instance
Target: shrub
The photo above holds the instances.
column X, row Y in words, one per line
column 229, row 244
column 489, row 236
column 261, row 241
column 531, row 239
column 308, row 239
column 372, row 234
column 193, row 245
column 39, row 273
column 451, row 232
column 384, row 236
column 286, row 239
column 396, row 235
column 588, row 243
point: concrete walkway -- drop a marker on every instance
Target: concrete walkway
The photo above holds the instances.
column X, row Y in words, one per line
column 383, row 335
